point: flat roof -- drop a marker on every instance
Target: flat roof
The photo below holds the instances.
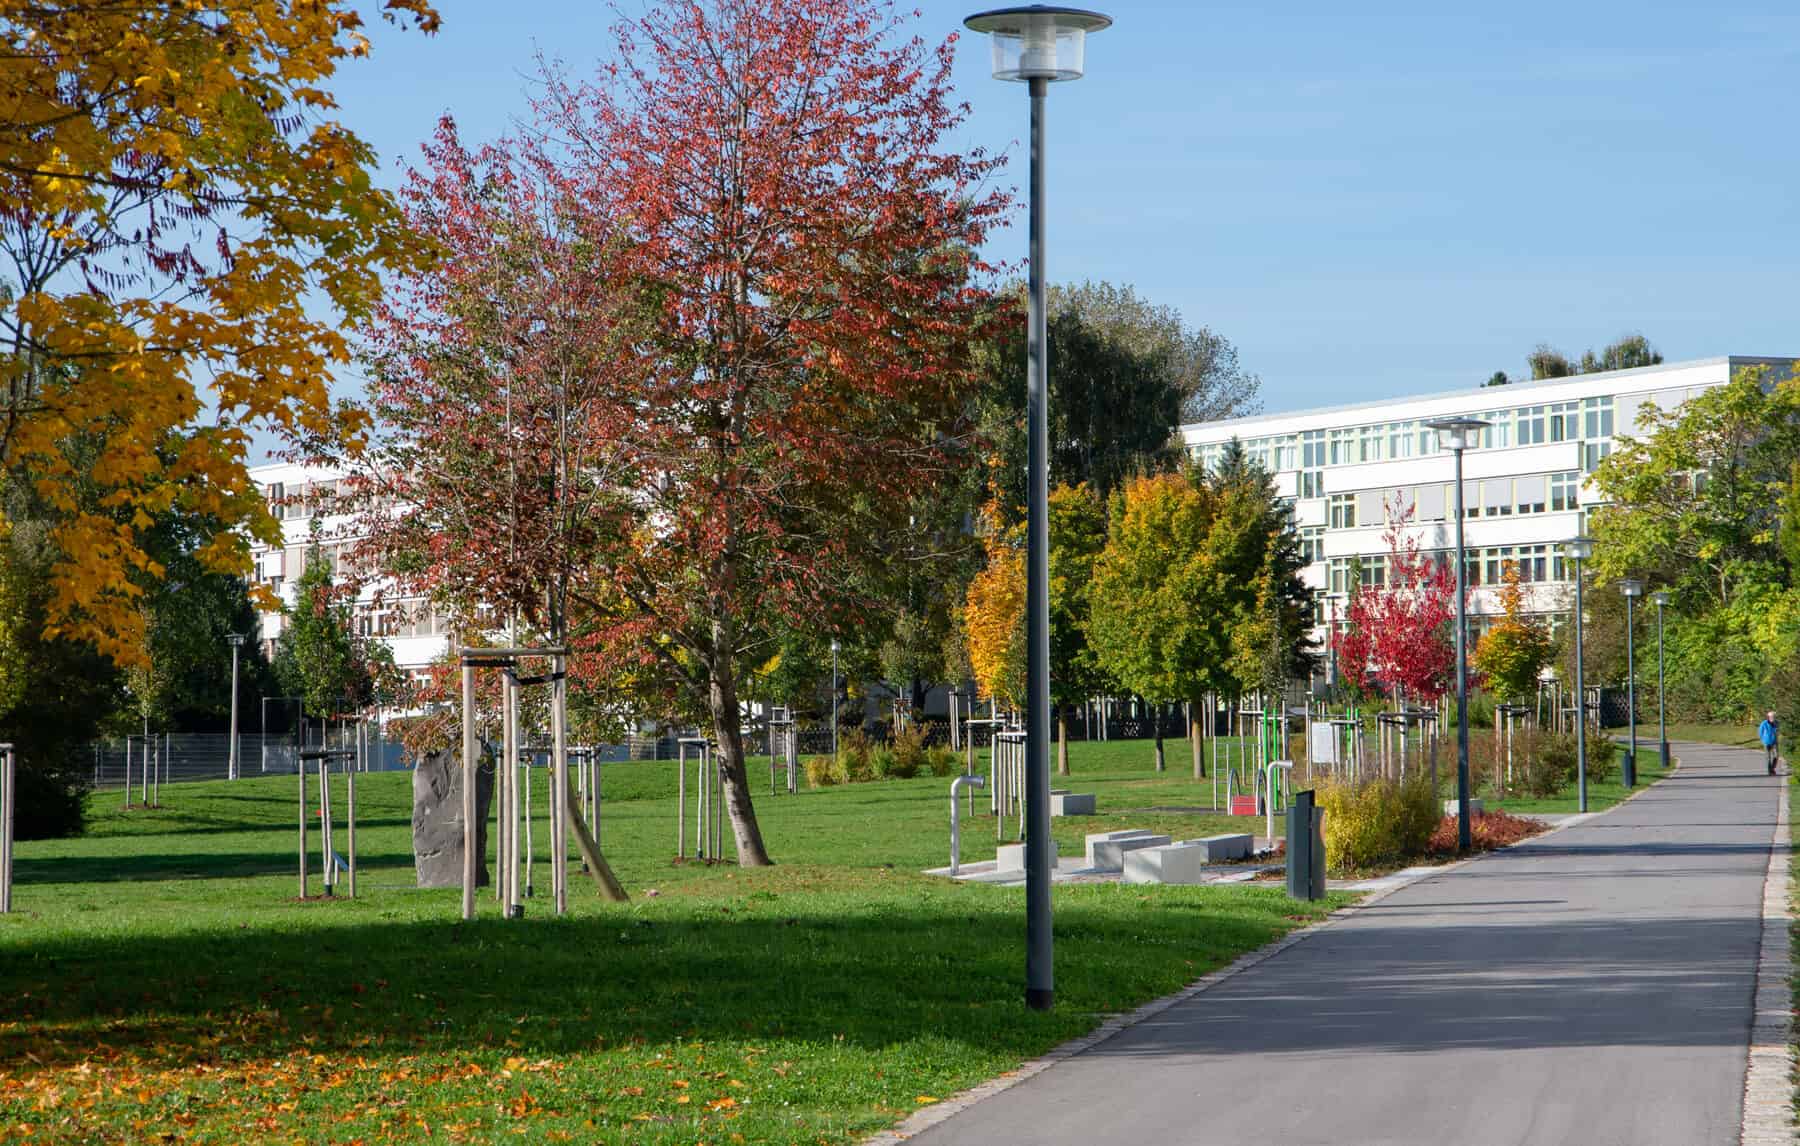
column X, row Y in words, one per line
column 1496, row 395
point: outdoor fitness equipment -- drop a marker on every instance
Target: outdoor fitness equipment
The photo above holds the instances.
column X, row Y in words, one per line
column 784, row 747
column 329, row 862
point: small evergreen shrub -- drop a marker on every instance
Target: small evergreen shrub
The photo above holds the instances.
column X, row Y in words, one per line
column 907, row 754
column 821, row 772
column 942, row 761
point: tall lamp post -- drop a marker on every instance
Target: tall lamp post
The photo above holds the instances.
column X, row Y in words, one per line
column 1661, row 598
column 1633, row 589
column 1579, row 549
column 1037, row 45
column 834, row 690
column 232, row 770
column 1453, row 435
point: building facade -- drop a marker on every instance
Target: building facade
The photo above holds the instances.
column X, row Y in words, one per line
column 300, row 497
column 1351, row 470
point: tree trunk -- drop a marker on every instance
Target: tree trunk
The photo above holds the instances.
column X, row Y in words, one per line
column 1062, row 741
column 723, row 699
column 1156, row 723
column 1194, row 740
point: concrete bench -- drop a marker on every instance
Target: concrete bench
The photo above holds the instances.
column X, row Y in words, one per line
column 1109, row 855
column 1225, row 848
column 1066, row 803
column 1011, row 857
column 1101, row 837
column 1475, row 807
column 1184, row 862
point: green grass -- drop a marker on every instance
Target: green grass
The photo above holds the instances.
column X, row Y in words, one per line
column 160, row 981
column 1602, row 794
column 1735, row 735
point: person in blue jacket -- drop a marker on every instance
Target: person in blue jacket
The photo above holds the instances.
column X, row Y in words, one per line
column 1770, row 734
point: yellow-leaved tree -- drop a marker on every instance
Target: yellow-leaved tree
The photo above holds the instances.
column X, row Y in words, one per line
column 186, row 232
column 994, row 613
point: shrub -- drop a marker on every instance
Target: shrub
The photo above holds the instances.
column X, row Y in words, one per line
column 883, row 765
column 1545, row 762
column 855, row 763
column 908, row 754
column 1487, row 831
column 942, row 761
column 1376, row 822
column 822, row 772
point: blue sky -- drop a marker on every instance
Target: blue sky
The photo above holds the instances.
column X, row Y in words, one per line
column 1368, row 200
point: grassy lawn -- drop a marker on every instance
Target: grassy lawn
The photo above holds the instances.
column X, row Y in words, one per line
column 160, row 981
column 1601, row 794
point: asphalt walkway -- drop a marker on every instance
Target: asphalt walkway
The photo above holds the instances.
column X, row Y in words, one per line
column 1594, row 987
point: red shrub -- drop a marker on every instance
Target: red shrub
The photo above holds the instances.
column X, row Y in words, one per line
column 1487, row 831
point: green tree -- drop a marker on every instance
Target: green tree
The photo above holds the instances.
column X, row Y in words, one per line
column 1628, row 352
column 316, row 657
column 1155, row 623
column 1077, row 538
column 1497, row 378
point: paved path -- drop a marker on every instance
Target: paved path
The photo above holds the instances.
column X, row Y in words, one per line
column 1593, row 987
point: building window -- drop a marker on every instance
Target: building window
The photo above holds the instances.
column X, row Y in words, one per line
column 1597, row 418
column 1565, row 492
column 1340, row 511
column 1498, row 435
column 1565, row 421
column 1312, row 544
column 1529, row 493
column 1371, row 440
column 1496, row 495
column 1532, row 561
column 1374, row 570
column 1592, row 454
column 1342, row 447
column 1531, row 428
column 1338, row 575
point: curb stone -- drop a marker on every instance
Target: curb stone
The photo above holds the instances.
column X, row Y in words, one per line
column 1769, row 1066
column 926, row 1117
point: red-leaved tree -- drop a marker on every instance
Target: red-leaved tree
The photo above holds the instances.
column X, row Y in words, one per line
column 1400, row 636
column 778, row 252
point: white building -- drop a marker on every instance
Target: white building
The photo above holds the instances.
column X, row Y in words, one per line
column 1525, row 477
column 298, row 496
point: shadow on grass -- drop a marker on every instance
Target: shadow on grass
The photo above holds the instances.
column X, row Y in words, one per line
column 138, row 867
column 943, row 961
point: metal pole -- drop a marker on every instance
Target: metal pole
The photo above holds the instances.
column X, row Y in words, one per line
column 9, row 784
column 300, row 770
column 470, row 861
column 834, row 692
column 1580, row 703
column 680, row 800
column 509, row 738
column 1040, row 973
column 350, row 825
column 1630, row 770
column 1662, row 696
column 559, row 787
column 1462, row 672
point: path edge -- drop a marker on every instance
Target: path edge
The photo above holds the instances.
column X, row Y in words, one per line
column 926, row 1117
column 1769, row 1066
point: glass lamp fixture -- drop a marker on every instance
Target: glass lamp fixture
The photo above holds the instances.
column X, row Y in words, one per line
column 1661, row 598
column 1631, row 587
column 1455, row 433
column 1580, row 548
column 1035, row 41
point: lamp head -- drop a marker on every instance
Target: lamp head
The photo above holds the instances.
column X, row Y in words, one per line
column 234, row 639
column 1036, row 41
column 1661, row 597
column 1454, row 433
column 834, row 644
column 1631, row 587
column 1580, row 548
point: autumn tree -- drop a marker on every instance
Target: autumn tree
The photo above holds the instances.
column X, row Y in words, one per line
column 1516, row 649
column 315, row 655
column 993, row 629
column 1401, row 633
column 791, row 203
column 187, row 230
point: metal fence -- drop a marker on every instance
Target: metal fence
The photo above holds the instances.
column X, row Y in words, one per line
column 182, row 756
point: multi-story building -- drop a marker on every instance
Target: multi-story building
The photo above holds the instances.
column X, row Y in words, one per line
column 1349, row 469
column 300, row 498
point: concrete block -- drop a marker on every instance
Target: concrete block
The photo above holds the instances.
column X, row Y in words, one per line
column 1171, row 863
column 1109, row 855
column 1065, row 803
column 1475, row 806
column 1094, row 838
column 1225, row 848
column 1011, row 857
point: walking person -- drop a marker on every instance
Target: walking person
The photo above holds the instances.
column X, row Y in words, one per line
column 1770, row 735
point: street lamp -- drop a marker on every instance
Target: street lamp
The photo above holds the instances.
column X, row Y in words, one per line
column 236, row 641
column 1579, row 549
column 834, row 690
column 1633, row 589
column 1453, row 435
column 1037, row 45
column 1662, row 697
